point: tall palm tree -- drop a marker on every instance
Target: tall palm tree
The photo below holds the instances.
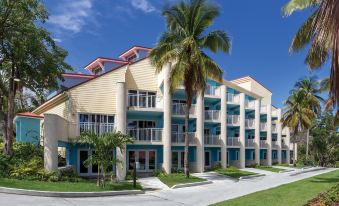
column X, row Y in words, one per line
column 297, row 115
column 329, row 103
column 184, row 43
column 321, row 30
column 309, row 89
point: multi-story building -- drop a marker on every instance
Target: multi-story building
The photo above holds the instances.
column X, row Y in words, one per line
column 232, row 123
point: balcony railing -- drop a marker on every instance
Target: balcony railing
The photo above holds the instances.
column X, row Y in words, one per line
column 178, row 137
column 249, row 123
column 180, row 108
column 274, row 128
column 213, row 115
column 233, row 141
column 146, row 134
column 274, row 113
column 96, row 127
column 263, row 109
column 263, row 126
column 263, row 144
column 249, row 142
column 142, row 100
column 233, row 120
column 275, row 144
column 233, row 98
column 212, row 90
column 212, row 139
column 249, row 104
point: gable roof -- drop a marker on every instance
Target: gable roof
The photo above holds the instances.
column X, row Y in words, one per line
column 248, row 78
column 29, row 114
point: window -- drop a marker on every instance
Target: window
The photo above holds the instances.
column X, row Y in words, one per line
column 97, row 123
column 236, row 155
column 219, row 156
column 218, row 131
column 83, row 157
column 253, row 155
column 145, row 99
column 131, row 57
column 97, row 71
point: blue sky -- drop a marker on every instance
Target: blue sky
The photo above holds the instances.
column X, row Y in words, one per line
column 260, row 36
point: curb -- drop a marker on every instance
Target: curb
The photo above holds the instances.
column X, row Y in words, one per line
column 191, row 184
column 67, row 194
column 284, row 171
column 251, row 176
column 308, row 170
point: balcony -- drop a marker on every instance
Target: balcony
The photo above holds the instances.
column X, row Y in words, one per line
column 146, row 134
column 233, row 142
column 212, row 140
column 263, row 144
column 179, row 138
column 142, row 101
column 233, row 120
column 96, row 127
column 249, row 142
column 249, row 104
column 249, row 124
column 263, row 126
column 212, row 91
column 274, row 113
column 212, row 115
column 180, row 108
column 275, row 144
column 233, row 98
column 274, row 128
column 263, row 109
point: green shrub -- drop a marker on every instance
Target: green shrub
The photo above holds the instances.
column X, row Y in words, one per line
column 328, row 198
column 27, row 169
column 217, row 166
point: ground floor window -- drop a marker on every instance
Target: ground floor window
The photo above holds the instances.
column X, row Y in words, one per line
column 207, row 159
column 90, row 170
column 146, row 159
column 178, row 160
column 236, row 155
column 264, row 155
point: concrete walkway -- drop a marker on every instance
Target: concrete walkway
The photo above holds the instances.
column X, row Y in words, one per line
column 200, row 195
column 152, row 183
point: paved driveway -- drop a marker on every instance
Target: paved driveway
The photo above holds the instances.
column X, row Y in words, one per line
column 199, row 195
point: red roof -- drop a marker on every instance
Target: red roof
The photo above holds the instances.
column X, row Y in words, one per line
column 29, row 114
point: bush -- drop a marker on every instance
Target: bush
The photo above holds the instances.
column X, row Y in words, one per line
column 329, row 198
column 217, row 166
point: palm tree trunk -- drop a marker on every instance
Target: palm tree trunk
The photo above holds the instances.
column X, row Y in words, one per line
column 294, row 159
column 98, row 177
column 186, row 160
column 307, row 144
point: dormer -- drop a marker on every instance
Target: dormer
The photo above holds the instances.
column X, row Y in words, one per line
column 102, row 64
column 135, row 53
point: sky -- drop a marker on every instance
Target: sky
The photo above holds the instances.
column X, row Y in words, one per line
column 260, row 36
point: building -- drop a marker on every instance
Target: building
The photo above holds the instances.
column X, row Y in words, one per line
column 233, row 123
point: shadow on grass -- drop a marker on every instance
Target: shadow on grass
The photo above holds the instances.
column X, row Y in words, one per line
column 325, row 180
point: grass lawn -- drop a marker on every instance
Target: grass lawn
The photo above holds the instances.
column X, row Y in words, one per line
column 82, row 186
column 178, row 178
column 233, row 172
column 292, row 194
column 268, row 168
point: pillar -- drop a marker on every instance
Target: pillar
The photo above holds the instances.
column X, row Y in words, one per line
column 269, row 134
column 242, row 131
column 279, row 131
column 257, row 132
column 223, row 126
column 121, row 126
column 200, row 111
column 166, row 135
column 50, row 143
column 287, row 142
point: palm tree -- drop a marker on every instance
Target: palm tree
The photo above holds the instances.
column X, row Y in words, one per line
column 329, row 103
column 297, row 115
column 309, row 88
column 321, row 30
column 184, row 43
column 103, row 144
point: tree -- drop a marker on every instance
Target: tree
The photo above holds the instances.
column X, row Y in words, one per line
column 29, row 56
column 103, row 145
column 297, row 116
column 183, row 44
column 321, row 31
column 309, row 89
column 329, row 103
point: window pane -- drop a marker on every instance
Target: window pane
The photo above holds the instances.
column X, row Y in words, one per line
column 131, row 159
column 95, row 166
column 110, row 119
column 151, row 164
column 83, row 157
column 175, row 160
column 142, row 160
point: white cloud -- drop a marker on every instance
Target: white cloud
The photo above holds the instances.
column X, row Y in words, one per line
column 143, row 5
column 57, row 40
column 72, row 15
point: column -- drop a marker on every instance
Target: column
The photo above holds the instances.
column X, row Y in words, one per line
column 166, row 135
column 257, row 132
column 223, row 126
column 287, row 141
column 200, row 111
column 279, row 130
column 50, row 143
column 269, row 134
column 242, row 131
column 121, row 126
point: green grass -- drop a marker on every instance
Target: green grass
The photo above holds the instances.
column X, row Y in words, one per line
column 292, row 194
column 82, row 186
column 233, row 172
column 268, row 168
column 178, row 178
